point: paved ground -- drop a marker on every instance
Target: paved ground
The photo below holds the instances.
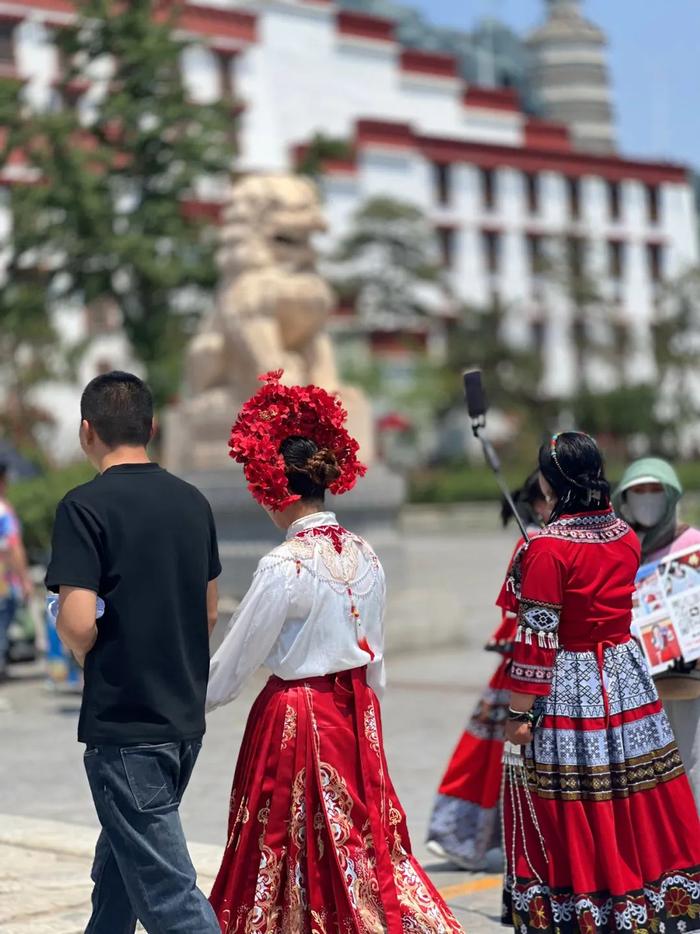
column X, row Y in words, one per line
column 47, row 824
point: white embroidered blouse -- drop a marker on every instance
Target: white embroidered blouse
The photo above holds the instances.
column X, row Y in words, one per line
column 314, row 602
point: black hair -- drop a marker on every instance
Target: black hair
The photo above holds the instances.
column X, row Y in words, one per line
column 119, row 406
column 525, row 498
column 4, row 471
column 310, row 469
column 573, row 466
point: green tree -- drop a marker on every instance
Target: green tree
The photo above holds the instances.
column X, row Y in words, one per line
column 112, row 178
column 676, row 342
column 388, row 263
column 320, row 150
column 28, row 342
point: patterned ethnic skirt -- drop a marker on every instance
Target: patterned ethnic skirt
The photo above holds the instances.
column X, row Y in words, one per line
column 466, row 819
column 317, row 839
column 600, row 826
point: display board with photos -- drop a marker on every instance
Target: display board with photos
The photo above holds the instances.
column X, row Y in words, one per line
column 666, row 609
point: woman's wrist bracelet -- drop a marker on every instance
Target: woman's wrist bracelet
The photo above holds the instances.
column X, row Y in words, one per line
column 522, row 716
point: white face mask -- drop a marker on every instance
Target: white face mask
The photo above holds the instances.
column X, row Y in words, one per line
column 646, row 509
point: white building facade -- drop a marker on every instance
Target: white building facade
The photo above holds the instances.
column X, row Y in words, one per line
column 502, row 189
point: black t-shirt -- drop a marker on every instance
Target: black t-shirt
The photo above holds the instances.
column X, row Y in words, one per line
column 145, row 542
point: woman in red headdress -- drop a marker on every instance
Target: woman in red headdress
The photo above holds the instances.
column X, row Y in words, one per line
column 600, row 827
column 317, row 838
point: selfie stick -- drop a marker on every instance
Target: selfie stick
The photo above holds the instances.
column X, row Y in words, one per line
column 476, row 404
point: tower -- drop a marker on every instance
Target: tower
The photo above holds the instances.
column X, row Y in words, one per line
column 570, row 75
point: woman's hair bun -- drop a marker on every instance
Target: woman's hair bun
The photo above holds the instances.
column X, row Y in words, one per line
column 310, row 469
column 323, row 468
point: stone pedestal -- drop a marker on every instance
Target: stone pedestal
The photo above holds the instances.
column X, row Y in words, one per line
column 246, row 532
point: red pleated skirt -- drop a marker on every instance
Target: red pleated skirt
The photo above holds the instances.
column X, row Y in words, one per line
column 466, row 814
column 317, row 838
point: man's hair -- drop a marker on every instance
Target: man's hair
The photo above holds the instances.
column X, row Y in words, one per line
column 119, row 406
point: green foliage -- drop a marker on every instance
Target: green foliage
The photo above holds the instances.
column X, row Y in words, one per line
column 322, row 149
column 106, row 219
column 512, row 370
column 461, row 483
column 676, row 336
column 387, row 259
column 35, row 501
column 622, row 413
column 27, row 337
column 468, row 483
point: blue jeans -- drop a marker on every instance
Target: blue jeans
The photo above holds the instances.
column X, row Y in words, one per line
column 8, row 608
column 142, row 867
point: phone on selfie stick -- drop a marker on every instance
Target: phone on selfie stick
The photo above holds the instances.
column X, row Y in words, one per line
column 477, row 407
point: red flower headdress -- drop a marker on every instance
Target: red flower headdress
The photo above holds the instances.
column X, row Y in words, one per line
column 277, row 412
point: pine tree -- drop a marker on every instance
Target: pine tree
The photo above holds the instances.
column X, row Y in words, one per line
column 111, row 178
column 388, row 263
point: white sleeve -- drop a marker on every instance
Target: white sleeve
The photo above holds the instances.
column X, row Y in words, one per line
column 376, row 671
column 251, row 634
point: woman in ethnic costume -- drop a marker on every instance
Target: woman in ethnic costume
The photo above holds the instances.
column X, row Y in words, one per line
column 600, row 827
column 465, row 825
column 317, row 838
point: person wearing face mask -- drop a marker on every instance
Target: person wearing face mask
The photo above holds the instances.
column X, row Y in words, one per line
column 648, row 497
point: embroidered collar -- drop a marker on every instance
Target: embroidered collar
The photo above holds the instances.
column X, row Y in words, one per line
column 590, row 527
column 313, row 521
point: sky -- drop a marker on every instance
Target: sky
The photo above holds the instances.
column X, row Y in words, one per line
column 654, row 59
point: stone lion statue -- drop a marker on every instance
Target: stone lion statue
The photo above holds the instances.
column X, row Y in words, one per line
column 271, row 312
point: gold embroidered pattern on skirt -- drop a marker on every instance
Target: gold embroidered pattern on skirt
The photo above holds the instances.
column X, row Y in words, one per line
column 289, row 730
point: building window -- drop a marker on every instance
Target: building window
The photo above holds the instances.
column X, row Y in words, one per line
column 539, row 333
column 442, row 178
column 7, row 43
column 492, row 251
column 225, row 72
column 614, row 200
column 532, row 187
column 653, row 203
column 655, row 254
column 488, row 189
column 576, row 256
column 573, row 186
column 446, row 243
column 535, row 253
column 616, row 259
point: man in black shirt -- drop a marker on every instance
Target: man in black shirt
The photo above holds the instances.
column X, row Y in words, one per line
column 145, row 543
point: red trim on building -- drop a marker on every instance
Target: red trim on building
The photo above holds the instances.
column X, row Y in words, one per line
column 344, row 310
column 340, row 166
column 7, row 16
column 385, row 133
column 363, row 26
column 489, row 227
column 48, row 6
column 491, row 98
column 9, row 72
column 218, row 23
column 572, row 164
column 203, row 20
column 211, row 211
column 403, row 343
column 330, row 166
column 489, row 156
column 429, row 63
column 545, row 134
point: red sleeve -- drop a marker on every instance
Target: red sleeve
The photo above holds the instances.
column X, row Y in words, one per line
column 541, row 598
